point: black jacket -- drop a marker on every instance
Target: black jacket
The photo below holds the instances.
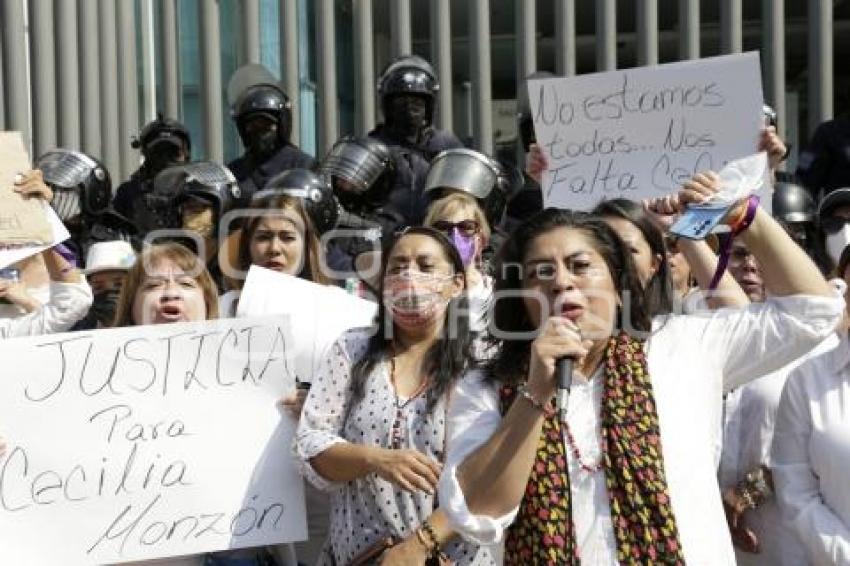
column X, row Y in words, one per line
column 412, row 161
column 252, row 177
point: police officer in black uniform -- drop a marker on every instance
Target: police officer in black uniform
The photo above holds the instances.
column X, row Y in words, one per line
column 82, row 195
column 362, row 174
column 825, row 163
column 794, row 208
column 205, row 192
column 407, row 89
column 263, row 115
column 164, row 143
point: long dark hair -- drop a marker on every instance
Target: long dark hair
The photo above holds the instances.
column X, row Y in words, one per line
column 449, row 357
column 509, row 312
column 659, row 289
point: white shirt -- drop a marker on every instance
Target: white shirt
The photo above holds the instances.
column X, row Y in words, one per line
column 480, row 296
column 749, row 421
column 68, row 303
column 691, row 359
column 811, row 455
column 40, row 294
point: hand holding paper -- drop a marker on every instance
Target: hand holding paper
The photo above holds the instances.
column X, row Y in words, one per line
column 776, row 149
column 707, row 199
column 31, row 185
column 21, row 220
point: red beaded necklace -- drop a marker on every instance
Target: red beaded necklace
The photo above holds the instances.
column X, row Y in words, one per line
column 396, row 437
column 589, row 468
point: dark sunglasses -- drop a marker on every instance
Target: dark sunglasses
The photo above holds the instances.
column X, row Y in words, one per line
column 466, row 227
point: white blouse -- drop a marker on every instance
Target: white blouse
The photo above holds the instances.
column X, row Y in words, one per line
column 692, row 359
column 480, row 298
column 748, row 423
column 811, row 455
column 68, row 303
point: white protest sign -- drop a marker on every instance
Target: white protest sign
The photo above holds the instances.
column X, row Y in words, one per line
column 319, row 313
column 639, row 133
column 10, row 255
column 147, row 442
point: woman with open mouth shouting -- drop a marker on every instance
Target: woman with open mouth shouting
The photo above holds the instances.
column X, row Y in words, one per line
column 623, row 472
column 373, row 431
column 168, row 283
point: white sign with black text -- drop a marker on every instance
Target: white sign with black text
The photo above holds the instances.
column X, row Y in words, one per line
column 148, row 442
column 640, row 133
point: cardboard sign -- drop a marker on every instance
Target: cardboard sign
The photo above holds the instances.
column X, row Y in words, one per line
column 147, row 442
column 640, row 133
column 10, row 255
column 319, row 313
column 22, row 221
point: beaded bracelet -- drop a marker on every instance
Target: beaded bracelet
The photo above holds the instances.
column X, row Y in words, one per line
column 754, row 489
column 748, row 498
column 526, row 394
column 434, row 548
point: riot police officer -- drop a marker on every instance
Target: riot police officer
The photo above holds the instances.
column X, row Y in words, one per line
column 263, row 115
column 204, row 192
column 361, row 172
column 164, row 143
column 794, row 209
column 407, row 89
column 824, row 165
column 82, row 195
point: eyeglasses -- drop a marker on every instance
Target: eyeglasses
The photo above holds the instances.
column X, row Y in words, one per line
column 833, row 224
column 466, row 227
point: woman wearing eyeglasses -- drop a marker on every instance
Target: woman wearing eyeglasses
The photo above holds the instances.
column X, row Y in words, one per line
column 459, row 217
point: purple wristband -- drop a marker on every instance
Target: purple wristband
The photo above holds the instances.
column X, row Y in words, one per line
column 67, row 254
column 726, row 250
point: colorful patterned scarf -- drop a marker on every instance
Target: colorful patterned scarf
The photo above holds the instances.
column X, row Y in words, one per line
column 644, row 526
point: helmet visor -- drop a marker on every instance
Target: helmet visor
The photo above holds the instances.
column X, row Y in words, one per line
column 66, row 168
column 355, row 164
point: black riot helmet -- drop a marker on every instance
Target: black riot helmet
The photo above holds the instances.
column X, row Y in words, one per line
column 163, row 133
column 313, row 190
column 792, row 203
column 203, row 179
column 525, row 120
column 266, row 100
column 80, row 183
column 412, row 75
column 360, row 171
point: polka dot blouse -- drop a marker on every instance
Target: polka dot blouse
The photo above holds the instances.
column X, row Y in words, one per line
column 369, row 508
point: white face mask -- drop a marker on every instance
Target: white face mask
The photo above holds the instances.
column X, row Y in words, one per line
column 835, row 243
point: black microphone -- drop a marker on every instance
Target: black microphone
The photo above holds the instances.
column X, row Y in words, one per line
column 564, row 375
